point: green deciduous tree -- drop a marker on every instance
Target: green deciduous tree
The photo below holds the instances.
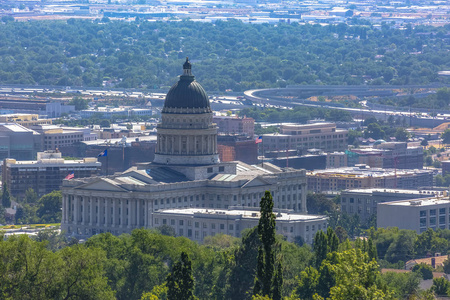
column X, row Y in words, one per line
column 307, row 285
column 49, row 207
column 441, row 286
column 424, row 270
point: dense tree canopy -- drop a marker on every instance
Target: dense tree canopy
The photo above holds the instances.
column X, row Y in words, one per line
column 226, row 55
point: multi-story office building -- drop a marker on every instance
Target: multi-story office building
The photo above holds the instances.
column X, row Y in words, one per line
column 45, row 174
column 415, row 214
column 198, row 223
column 324, row 136
column 235, row 125
column 363, row 202
column 364, row 177
column 185, row 173
column 445, row 167
column 18, row 142
column 388, row 155
column 336, row 160
column 55, row 137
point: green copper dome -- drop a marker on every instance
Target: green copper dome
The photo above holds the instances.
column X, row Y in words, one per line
column 186, row 94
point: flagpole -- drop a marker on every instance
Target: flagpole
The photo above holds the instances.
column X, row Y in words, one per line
column 262, row 142
column 107, row 162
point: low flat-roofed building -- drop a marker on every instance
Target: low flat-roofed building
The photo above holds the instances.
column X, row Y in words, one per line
column 45, row 174
column 25, row 120
column 363, row 202
column 362, row 176
column 198, row 223
column 415, row 214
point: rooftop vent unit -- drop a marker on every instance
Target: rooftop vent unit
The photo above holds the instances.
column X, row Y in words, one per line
column 415, row 202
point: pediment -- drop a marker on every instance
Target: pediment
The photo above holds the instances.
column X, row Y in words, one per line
column 258, row 181
column 102, row 184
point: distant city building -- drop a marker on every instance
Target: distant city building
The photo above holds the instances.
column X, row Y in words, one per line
column 336, row 160
column 364, row 177
column 55, row 137
column 185, row 173
column 108, row 112
column 445, row 167
column 45, row 174
column 26, row 120
column 308, row 162
column 363, row 202
column 415, row 214
column 388, row 155
column 241, row 148
column 235, row 125
column 18, row 142
column 198, row 223
column 56, row 109
column 324, row 136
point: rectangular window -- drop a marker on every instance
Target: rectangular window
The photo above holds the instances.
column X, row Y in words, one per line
column 181, row 222
column 441, row 220
column 442, row 211
column 423, row 213
column 156, row 221
column 432, row 221
column 230, row 227
column 164, row 221
column 197, row 224
column 210, row 170
column 213, row 226
column 432, row 212
column 221, row 169
column 172, row 222
column 189, row 232
column 222, row 226
column 423, row 222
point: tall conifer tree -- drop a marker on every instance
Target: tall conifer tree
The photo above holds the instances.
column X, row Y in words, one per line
column 265, row 282
column 180, row 282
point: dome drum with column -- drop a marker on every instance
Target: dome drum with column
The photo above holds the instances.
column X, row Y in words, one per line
column 186, row 134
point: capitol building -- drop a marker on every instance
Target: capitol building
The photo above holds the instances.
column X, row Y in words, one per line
column 186, row 186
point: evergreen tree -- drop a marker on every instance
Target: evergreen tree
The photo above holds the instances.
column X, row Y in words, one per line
column 372, row 251
column 266, row 258
column 320, row 247
column 180, row 282
column 6, row 197
column 332, row 240
column 242, row 274
column 278, row 284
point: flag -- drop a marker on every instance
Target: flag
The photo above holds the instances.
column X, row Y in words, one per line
column 70, row 176
column 103, row 153
column 259, row 140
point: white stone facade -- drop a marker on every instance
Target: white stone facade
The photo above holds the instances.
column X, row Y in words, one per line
column 196, row 224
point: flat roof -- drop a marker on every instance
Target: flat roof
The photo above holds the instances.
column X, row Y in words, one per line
column 245, row 213
column 405, row 191
column 373, row 172
column 418, row 202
